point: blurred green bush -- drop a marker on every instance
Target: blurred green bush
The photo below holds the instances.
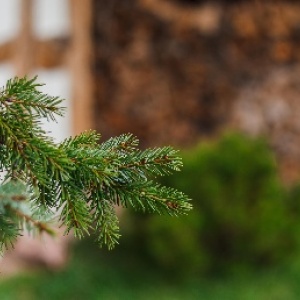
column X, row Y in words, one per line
column 243, row 216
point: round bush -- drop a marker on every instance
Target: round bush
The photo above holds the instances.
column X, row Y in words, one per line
column 243, row 216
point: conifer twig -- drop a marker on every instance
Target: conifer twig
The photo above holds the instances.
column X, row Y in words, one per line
column 80, row 178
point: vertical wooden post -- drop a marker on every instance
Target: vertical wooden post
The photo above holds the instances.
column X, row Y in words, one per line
column 24, row 46
column 80, row 65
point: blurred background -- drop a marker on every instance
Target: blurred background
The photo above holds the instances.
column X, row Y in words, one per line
column 218, row 80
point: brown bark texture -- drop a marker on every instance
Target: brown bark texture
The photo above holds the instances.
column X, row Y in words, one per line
column 177, row 71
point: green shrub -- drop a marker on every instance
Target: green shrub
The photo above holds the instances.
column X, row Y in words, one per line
column 243, row 217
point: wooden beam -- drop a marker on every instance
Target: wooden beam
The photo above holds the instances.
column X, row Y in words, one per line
column 80, row 65
column 6, row 51
column 23, row 52
column 48, row 53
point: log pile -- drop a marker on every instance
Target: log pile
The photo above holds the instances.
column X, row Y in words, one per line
column 177, row 71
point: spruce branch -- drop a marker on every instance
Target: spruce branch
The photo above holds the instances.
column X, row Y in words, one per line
column 80, row 178
column 22, row 94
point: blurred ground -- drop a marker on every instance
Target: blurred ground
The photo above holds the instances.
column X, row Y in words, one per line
column 114, row 277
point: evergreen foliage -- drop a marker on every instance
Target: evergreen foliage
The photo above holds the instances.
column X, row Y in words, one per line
column 79, row 179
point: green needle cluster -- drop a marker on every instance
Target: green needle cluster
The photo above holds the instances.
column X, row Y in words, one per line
column 80, row 181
